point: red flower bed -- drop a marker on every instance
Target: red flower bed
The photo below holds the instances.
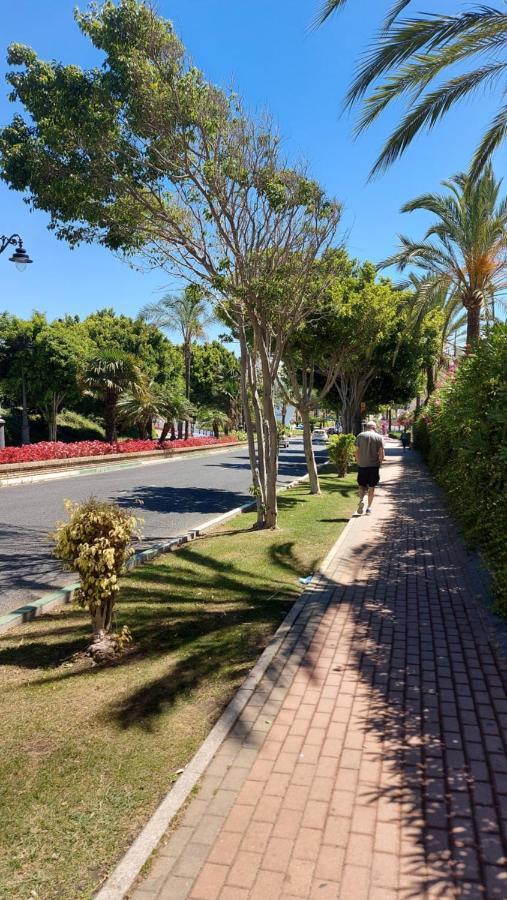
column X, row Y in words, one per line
column 46, row 450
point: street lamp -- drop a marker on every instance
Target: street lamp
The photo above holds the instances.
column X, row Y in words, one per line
column 20, row 257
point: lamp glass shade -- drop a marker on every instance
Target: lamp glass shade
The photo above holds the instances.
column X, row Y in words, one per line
column 20, row 258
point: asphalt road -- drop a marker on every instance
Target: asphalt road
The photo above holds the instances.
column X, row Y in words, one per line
column 172, row 496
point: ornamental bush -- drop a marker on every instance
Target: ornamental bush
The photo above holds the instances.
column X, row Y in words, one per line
column 59, row 450
column 462, row 434
column 341, row 451
column 96, row 542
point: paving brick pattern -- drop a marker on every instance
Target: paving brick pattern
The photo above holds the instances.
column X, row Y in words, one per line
column 371, row 763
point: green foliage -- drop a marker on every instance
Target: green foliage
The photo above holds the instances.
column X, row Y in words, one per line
column 463, row 435
column 462, row 255
column 215, row 380
column 96, row 543
column 341, row 451
column 240, row 435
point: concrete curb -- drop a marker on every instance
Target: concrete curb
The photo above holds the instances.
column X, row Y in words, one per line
column 64, row 595
column 19, row 473
column 127, row 870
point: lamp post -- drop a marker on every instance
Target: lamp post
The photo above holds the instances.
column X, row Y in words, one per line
column 20, row 257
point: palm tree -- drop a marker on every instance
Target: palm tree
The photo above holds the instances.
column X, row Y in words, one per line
column 188, row 314
column 215, row 419
column 410, row 54
column 464, row 251
column 106, row 376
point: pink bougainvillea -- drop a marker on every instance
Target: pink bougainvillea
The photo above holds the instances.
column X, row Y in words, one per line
column 58, row 450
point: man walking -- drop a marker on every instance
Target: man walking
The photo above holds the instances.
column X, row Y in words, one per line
column 369, row 457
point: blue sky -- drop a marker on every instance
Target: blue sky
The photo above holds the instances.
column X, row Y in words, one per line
column 266, row 50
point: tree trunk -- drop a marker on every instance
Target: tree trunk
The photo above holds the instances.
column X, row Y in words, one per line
column 348, row 418
column 165, row 431
column 473, row 325
column 313, row 475
column 52, row 423
column 110, row 418
column 390, row 419
column 270, row 437
column 284, row 412
column 180, row 429
column 25, row 424
column 187, row 425
column 249, row 426
column 216, row 431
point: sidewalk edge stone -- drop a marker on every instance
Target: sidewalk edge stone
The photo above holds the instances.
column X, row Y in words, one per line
column 127, row 870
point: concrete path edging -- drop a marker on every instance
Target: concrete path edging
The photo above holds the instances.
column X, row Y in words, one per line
column 129, row 867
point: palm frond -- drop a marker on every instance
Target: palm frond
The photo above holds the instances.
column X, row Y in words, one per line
column 430, row 110
column 394, row 13
column 409, row 37
column 327, row 10
column 494, row 136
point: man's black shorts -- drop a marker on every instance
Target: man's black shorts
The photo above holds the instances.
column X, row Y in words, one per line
column 368, row 476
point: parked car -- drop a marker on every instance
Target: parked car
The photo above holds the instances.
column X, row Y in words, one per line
column 319, row 436
column 283, row 440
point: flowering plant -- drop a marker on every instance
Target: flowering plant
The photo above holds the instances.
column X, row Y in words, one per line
column 59, row 450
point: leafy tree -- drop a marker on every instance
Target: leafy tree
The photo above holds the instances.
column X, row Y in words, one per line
column 400, row 359
column 316, row 348
column 368, row 311
column 408, row 58
column 159, row 359
column 57, row 351
column 17, row 371
column 464, row 251
column 106, row 376
column 144, row 156
column 215, row 381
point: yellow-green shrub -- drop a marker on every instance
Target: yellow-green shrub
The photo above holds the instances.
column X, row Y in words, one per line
column 96, row 542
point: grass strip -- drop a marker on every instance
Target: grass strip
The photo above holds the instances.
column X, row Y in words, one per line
column 87, row 754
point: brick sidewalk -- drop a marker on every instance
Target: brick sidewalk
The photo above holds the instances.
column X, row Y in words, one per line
column 372, row 760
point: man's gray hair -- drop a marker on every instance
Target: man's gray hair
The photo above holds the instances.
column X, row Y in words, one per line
column 371, row 424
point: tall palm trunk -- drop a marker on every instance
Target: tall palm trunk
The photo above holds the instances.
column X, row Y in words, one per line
column 187, row 356
column 25, row 424
column 110, row 416
column 473, row 309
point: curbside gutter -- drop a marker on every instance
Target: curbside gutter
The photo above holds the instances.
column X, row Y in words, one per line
column 65, row 595
column 129, row 867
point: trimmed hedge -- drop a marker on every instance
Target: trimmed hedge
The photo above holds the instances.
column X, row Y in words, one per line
column 462, row 434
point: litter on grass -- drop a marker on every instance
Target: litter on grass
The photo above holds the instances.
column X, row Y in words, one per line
column 306, row 580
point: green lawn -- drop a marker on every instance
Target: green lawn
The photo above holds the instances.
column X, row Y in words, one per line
column 88, row 753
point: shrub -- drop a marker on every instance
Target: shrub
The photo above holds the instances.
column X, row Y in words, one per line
column 96, row 542
column 59, row 450
column 462, row 434
column 239, row 435
column 341, row 451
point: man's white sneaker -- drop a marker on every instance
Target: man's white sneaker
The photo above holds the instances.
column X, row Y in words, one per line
column 360, row 507
column 368, row 511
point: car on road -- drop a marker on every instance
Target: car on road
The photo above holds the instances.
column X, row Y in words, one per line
column 320, row 436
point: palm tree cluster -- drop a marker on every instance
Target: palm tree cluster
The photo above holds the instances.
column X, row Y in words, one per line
column 460, row 263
